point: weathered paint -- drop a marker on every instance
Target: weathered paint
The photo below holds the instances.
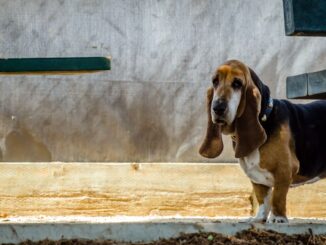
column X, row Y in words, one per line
column 139, row 189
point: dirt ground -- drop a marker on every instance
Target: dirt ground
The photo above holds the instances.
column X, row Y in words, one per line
column 251, row 237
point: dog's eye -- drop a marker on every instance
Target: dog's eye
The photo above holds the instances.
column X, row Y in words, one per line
column 237, row 83
column 215, row 81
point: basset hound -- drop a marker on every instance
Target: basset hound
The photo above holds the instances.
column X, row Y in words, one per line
column 279, row 144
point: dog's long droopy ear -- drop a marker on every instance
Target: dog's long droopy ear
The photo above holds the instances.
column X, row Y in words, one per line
column 213, row 144
column 248, row 131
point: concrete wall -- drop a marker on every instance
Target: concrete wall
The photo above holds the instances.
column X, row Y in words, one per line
column 150, row 107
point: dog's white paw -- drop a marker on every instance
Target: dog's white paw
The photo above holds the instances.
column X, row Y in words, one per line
column 262, row 214
column 277, row 219
column 256, row 220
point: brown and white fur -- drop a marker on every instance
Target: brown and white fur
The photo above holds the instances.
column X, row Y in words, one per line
column 269, row 160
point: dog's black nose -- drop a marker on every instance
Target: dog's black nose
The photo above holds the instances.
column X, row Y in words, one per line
column 219, row 107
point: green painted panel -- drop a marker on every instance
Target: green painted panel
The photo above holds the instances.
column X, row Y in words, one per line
column 305, row 17
column 307, row 86
column 296, row 86
column 54, row 65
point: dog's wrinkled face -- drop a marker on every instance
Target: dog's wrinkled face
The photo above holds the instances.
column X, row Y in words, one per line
column 228, row 83
column 233, row 106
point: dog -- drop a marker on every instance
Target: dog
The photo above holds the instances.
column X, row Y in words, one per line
column 279, row 144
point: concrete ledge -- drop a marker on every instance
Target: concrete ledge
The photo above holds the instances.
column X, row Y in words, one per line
column 137, row 229
column 307, row 86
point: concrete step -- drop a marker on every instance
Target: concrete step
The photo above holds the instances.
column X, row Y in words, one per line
column 138, row 229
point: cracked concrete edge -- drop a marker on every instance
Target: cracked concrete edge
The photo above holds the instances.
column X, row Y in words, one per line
column 144, row 229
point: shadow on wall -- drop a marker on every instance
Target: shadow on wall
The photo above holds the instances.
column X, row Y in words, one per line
column 102, row 122
column 144, row 123
column 21, row 146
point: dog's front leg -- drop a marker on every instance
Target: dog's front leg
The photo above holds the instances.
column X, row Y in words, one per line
column 263, row 194
column 281, row 187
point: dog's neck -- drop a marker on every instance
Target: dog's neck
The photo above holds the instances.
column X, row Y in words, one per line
column 266, row 107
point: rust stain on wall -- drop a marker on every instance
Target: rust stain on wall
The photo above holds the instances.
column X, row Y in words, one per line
column 22, row 146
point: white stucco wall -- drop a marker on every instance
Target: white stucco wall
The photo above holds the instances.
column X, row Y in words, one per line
column 150, row 106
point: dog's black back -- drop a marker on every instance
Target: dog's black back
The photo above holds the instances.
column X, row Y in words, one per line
column 308, row 126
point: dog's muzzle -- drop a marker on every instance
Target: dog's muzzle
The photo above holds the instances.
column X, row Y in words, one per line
column 219, row 110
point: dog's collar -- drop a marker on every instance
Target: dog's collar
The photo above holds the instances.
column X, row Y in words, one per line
column 234, row 138
column 266, row 100
column 267, row 111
